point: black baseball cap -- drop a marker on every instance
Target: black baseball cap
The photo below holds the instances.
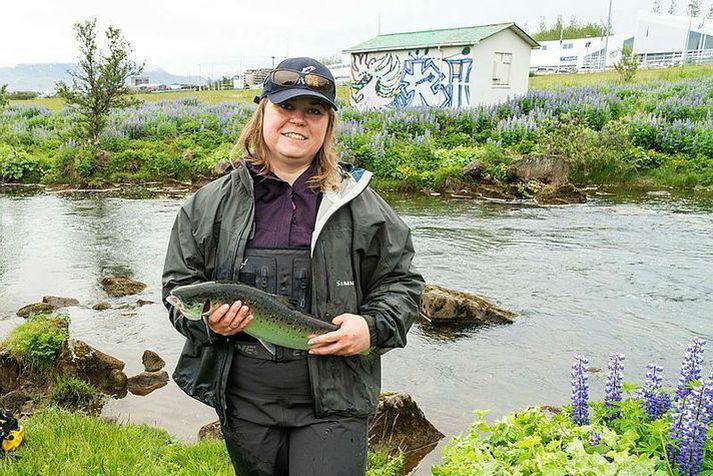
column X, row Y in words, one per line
column 278, row 93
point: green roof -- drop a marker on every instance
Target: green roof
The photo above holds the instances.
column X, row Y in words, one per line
column 433, row 38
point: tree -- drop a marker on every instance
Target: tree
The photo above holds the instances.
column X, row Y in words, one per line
column 99, row 84
column 655, row 6
column 573, row 30
column 627, row 66
column 3, row 97
column 672, row 8
column 694, row 8
column 709, row 15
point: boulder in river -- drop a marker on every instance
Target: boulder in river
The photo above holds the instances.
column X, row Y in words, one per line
column 101, row 306
column 58, row 302
column 143, row 302
column 546, row 168
column 119, row 287
column 34, row 308
column 561, row 194
column 146, row 382
column 152, row 361
column 440, row 304
column 399, row 424
column 79, row 359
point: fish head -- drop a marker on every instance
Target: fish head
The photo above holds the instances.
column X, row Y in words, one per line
column 192, row 309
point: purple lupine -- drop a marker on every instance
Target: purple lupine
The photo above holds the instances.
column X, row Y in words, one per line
column 580, row 391
column 656, row 401
column 594, row 438
column 690, row 371
column 612, row 395
column 694, row 430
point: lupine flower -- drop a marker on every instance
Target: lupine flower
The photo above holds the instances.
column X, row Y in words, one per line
column 690, row 371
column 594, row 438
column 656, row 401
column 612, row 395
column 580, row 391
column 693, row 432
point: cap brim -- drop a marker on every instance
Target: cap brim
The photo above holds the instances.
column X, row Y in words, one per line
column 278, row 97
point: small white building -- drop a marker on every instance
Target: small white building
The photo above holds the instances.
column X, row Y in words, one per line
column 457, row 67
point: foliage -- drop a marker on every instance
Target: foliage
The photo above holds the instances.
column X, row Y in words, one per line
column 633, row 435
column 15, row 164
column 100, row 83
column 4, row 99
column 82, row 445
column 36, row 343
column 570, row 31
column 71, row 393
column 22, row 95
column 627, row 66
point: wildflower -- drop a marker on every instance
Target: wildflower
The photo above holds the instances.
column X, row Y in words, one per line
column 690, row 371
column 612, row 396
column 594, row 438
column 656, row 401
column 580, row 391
column 694, row 427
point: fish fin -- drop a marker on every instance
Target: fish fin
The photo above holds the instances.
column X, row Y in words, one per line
column 270, row 347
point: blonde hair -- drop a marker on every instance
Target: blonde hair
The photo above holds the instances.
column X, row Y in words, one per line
column 251, row 146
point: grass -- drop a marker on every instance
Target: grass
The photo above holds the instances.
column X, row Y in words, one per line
column 536, row 82
column 82, row 445
column 36, row 343
column 209, row 97
column 677, row 73
column 71, row 393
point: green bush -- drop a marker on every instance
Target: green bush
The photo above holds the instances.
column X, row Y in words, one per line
column 15, row 164
column 72, row 163
column 37, row 342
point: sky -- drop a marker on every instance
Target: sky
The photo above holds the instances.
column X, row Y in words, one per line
column 222, row 37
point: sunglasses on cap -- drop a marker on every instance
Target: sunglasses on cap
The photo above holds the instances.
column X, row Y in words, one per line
column 287, row 78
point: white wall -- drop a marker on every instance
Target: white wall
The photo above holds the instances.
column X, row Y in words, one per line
column 482, row 89
column 455, row 76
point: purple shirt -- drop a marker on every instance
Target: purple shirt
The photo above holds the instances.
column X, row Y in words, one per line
column 284, row 214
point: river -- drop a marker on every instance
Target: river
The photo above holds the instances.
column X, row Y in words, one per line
column 627, row 272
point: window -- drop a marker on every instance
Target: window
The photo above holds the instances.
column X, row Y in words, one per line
column 588, row 44
column 501, row 69
column 544, row 47
column 568, row 46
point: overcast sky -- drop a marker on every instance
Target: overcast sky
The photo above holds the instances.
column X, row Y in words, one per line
column 225, row 37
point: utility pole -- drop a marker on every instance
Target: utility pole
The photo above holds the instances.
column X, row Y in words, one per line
column 606, row 41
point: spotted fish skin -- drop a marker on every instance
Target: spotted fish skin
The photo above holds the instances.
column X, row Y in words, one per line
column 273, row 321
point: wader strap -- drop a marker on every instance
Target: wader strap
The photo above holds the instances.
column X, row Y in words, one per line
column 257, row 351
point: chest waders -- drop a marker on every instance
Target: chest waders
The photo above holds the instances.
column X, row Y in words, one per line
column 269, row 426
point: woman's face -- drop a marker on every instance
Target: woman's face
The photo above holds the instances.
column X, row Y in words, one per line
column 294, row 130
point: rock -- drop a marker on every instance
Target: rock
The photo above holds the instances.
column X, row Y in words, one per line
column 101, row 306
column 659, row 193
column 146, row 382
column 79, row 359
column 14, row 400
column 9, row 372
column 59, row 302
column 143, row 302
column 34, row 308
column 152, row 361
column 439, row 304
column 119, row 287
column 222, row 167
column 495, row 191
column 563, row 194
column 400, row 425
column 541, row 167
column 210, row 431
column 474, row 170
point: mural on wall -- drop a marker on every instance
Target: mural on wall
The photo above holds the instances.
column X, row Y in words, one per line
column 379, row 79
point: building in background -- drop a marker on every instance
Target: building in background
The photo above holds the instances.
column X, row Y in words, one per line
column 254, row 77
column 658, row 40
column 457, row 67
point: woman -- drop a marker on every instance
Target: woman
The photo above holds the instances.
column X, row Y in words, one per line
column 290, row 221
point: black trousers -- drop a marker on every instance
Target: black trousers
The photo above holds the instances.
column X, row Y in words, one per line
column 270, row 427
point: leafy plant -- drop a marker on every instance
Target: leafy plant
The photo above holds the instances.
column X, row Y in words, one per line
column 37, row 342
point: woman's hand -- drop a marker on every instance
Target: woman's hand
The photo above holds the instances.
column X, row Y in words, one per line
column 351, row 338
column 228, row 320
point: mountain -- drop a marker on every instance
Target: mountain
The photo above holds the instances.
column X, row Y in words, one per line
column 42, row 77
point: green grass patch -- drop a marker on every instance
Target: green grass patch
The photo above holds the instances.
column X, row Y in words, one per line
column 74, row 393
column 36, row 343
column 82, row 445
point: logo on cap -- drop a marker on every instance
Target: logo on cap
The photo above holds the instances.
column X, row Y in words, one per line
column 308, row 69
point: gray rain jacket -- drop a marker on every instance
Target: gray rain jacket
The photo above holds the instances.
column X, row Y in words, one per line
column 361, row 255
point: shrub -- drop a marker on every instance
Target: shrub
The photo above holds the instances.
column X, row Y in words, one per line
column 37, row 342
column 15, row 164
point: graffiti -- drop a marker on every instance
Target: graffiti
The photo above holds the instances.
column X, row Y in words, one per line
column 424, row 80
column 374, row 79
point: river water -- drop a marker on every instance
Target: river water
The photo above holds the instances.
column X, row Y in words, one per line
column 626, row 272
